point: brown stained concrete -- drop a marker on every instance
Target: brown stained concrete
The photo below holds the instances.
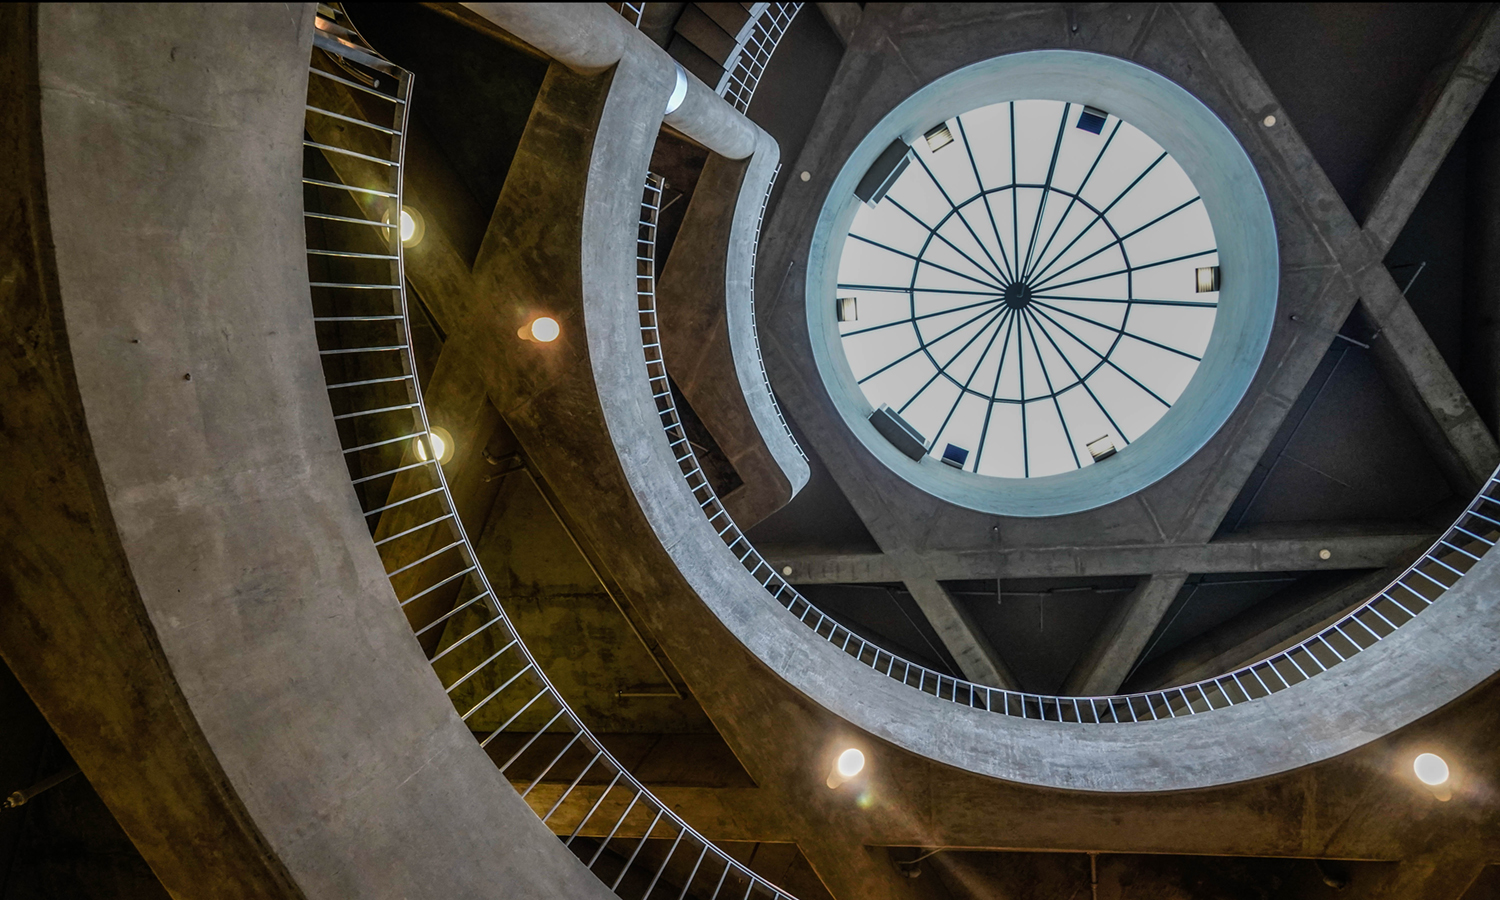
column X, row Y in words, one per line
column 229, row 616
column 693, row 296
column 587, row 147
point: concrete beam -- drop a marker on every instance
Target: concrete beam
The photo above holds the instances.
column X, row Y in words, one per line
column 1452, row 93
column 1121, row 638
column 589, row 38
column 975, row 655
column 1265, row 628
column 1428, row 390
column 1256, row 552
column 843, row 18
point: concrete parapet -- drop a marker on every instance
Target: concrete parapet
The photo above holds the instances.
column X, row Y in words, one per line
column 194, row 600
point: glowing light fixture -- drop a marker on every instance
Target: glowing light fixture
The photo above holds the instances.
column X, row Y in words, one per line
column 412, row 226
column 441, row 442
column 848, row 764
column 1431, row 769
column 541, row 330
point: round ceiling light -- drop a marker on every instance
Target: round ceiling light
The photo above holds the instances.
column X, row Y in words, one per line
column 441, row 442
column 1075, row 265
column 851, row 762
column 541, row 330
column 412, row 226
column 1431, row 769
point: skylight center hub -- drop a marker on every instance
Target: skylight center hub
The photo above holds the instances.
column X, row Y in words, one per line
column 1017, row 296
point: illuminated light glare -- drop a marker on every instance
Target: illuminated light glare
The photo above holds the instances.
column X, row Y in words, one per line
column 441, row 443
column 438, row 447
column 1431, row 769
column 852, row 762
column 408, row 226
column 545, row 329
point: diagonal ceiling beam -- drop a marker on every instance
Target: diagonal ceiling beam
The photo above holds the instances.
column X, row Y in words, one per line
column 1452, row 92
column 1257, row 552
column 975, row 655
column 1264, row 629
column 1114, row 648
column 1427, row 389
column 1435, row 400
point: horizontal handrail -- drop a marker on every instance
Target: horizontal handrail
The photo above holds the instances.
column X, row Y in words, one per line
column 1418, row 587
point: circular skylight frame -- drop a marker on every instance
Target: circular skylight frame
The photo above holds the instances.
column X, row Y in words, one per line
column 1026, row 288
column 1232, row 194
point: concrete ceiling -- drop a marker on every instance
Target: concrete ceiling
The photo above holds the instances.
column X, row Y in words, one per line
column 1347, row 462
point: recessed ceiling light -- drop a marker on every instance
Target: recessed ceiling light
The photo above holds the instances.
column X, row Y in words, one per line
column 412, row 226
column 541, row 330
column 1431, row 769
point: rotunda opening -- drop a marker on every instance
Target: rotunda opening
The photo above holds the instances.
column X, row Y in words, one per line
column 1042, row 283
column 1029, row 287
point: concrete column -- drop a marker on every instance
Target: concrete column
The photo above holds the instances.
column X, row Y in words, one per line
column 843, row 18
column 960, row 634
column 1452, row 94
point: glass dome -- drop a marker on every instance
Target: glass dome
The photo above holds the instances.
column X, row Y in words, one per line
column 1034, row 290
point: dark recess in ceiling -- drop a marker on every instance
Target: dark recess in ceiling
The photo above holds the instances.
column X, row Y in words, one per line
column 1348, row 74
column 887, row 616
column 474, row 94
column 1040, row 626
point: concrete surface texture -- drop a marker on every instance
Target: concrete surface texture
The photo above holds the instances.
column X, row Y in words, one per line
column 295, row 743
column 707, row 309
column 1107, row 758
column 172, row 158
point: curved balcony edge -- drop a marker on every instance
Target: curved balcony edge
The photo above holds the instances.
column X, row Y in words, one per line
column 707, row 308
column 321, row 758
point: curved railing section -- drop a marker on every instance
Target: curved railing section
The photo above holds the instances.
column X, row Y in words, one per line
column 753, row 46
column 760, row 359
column 1419, row 586
column 356, row 269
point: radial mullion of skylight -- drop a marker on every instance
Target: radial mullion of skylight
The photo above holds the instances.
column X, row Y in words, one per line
column 1029, row 288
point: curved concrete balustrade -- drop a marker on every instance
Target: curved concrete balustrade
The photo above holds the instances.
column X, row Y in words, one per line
column 708, row 307
column 590, row 37
column 707, row 304
column 200, row 612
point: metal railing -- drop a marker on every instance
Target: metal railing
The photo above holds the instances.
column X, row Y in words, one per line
column 631, row 11
column 753, row 46
column 1418, row 587
column 353, row 181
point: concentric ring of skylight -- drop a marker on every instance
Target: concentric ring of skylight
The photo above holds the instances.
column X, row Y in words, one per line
column 1029, row 288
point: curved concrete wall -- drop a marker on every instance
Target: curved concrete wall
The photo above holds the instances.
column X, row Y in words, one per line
column 705, row 298
column 173, row 166
column 1445, row 652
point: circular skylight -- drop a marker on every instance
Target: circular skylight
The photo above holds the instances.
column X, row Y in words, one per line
column 1032, row 292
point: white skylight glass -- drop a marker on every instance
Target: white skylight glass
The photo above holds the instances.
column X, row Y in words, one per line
column 1029, row 288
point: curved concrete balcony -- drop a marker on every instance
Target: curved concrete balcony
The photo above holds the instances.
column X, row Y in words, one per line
column 197, row 606
column 1118, row 744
